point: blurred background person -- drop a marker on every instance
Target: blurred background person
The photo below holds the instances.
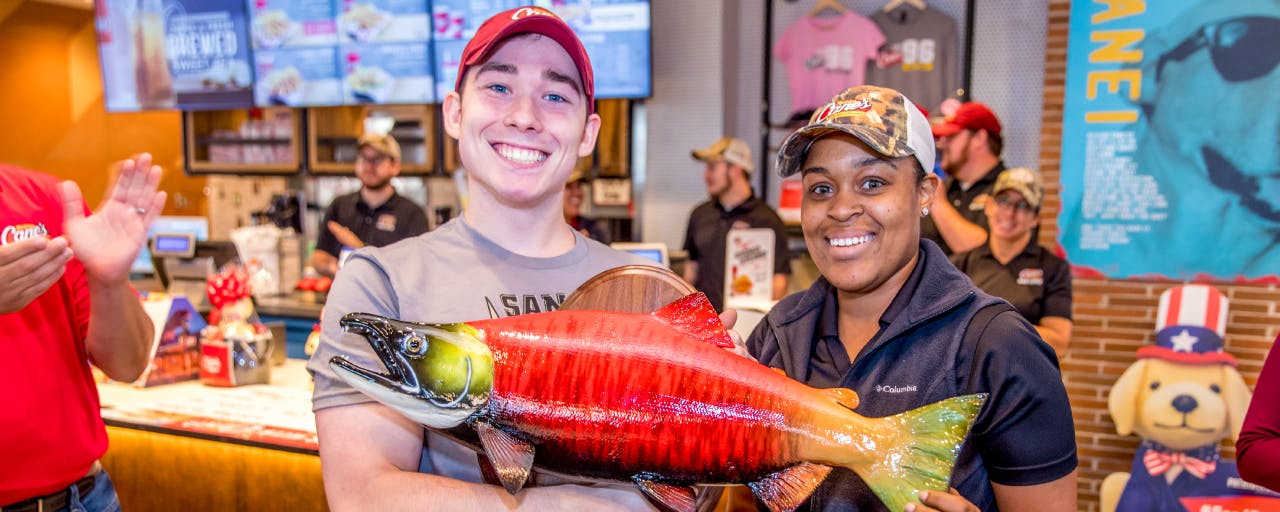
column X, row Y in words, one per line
column 1258, row 447
column 969, row 145
column 1012, row 266
column 374, row 215
column 733, row 205
column 574, row 195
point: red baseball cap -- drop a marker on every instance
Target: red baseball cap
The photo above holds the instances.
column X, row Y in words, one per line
column 528, row 20
column 970, row 116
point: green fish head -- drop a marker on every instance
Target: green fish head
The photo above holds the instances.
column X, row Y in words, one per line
column 437, row 374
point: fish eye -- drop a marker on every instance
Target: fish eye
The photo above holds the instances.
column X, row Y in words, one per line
column 414, row 344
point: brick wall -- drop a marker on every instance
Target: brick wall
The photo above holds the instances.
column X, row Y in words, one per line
column 1113, row 318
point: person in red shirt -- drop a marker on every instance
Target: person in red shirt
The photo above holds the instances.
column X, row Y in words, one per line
column 1258, row 447
column 66, row 302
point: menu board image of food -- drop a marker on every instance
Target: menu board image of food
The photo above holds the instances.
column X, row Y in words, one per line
column 615, row 34
column 161, row 54
column 292, row 23
column 382, row 21
column 297, row 77
column 387, row 73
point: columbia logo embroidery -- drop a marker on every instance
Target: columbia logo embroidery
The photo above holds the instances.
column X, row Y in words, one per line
column 910, row 388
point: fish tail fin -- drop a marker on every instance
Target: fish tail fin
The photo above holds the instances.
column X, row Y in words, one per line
column 922, row 451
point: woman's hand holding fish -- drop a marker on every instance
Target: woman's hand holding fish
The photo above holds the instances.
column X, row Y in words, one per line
column 729, row 317
column 942, row 502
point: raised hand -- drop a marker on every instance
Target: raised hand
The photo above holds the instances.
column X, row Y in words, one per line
column 345, row 236
column 107, row 241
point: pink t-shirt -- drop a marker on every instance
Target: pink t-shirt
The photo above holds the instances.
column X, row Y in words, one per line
column 825, row 56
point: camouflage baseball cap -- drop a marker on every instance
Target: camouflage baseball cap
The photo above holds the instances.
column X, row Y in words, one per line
column 882, row 118
column 1023, row 180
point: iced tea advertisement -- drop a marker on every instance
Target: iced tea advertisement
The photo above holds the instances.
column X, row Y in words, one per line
column 188, row 54
column 1170, row 164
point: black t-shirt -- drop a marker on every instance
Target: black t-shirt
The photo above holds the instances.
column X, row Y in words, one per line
column 390, row 222
column 709, row 226
column 970, row 203
column 1036, row 281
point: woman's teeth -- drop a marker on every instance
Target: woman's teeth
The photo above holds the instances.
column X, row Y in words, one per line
column 521, row 156
column 846, row 242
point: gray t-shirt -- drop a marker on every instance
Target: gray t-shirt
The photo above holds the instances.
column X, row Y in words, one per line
column 452, row 274
column 920, row 55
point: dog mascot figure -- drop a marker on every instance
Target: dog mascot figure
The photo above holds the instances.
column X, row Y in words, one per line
column 1182, row 397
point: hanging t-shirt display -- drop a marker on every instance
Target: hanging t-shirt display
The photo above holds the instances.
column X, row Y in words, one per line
column 824, row 56
column 919, row 56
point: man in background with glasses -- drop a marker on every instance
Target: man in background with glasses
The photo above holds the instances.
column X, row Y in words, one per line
column 374, row 215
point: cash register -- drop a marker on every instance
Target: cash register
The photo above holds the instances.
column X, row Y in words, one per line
column 184, row 264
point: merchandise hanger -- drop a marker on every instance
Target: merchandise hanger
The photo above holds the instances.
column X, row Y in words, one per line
column 824, row 5
column 893, row 4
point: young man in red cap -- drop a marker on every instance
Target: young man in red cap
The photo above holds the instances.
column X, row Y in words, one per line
column 969, row 145
column 523, row 114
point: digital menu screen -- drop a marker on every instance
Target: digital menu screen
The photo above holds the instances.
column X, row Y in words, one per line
column 615, row 34
column 230, row 54
column 162, row 54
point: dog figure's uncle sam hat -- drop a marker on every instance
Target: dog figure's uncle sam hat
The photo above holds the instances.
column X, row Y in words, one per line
column 1190, row 325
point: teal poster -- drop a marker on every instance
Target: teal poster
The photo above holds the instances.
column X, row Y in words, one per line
column 1171, row 140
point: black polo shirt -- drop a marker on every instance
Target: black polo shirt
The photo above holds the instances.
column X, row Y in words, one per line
column 1036, row 281
column 704, row 238
column 390, row 222
column 970, row 203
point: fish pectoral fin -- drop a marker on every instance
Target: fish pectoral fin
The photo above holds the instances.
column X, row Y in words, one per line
column 694, row 315
column 844, row 396
column 512, row 458
column 669, row 497
column 787, row 489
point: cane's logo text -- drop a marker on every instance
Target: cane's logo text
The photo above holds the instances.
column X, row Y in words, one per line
column 17, row 232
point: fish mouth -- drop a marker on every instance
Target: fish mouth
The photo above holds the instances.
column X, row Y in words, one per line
column 438, row 375
column 1249, row 188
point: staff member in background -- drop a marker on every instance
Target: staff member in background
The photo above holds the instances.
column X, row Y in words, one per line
column 969, row 143
column 733, row 205
column 374, row 215
column 66, row 301
column 1013, row 267
column 573, row 198
column 893, row 320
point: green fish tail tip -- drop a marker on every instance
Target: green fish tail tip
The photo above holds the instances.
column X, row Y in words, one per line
column 925, row 452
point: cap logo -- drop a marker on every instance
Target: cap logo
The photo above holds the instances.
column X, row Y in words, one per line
column 861, row 105
column 530, row 11
column 18, row 232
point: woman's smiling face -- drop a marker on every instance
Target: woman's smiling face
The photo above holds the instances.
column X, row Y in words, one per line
column 861, row 213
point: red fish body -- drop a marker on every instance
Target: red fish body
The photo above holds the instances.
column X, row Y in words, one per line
column 655, row 399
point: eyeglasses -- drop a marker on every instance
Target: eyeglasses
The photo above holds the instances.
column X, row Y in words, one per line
column 371, row 160
column 1241, row 48
column 1019, row 205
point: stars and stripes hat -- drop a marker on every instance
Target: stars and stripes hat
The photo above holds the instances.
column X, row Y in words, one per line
column 1190, row 325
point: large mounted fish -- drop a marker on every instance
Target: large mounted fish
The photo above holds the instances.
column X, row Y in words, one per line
column 654, row 399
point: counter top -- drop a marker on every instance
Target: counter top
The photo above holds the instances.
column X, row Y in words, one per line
column 293, row 304
column 276, row 415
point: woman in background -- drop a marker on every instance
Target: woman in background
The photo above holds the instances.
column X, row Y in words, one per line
column 1015, row 268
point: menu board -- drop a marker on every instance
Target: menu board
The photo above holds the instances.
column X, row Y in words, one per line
column 228, row 54
column 295, row 53
column 160, row 54
column 615, row 34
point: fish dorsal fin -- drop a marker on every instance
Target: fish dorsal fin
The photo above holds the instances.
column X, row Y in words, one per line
column 673, row 498
column 787, row 489
column 844, row 396
column 694, row 315
column 512, row 458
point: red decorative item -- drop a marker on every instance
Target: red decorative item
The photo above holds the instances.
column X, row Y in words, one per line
column 228, row 286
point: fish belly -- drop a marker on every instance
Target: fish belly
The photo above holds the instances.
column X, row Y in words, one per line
column 612, row 396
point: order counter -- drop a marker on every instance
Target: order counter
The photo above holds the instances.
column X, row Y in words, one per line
column 187, row 446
